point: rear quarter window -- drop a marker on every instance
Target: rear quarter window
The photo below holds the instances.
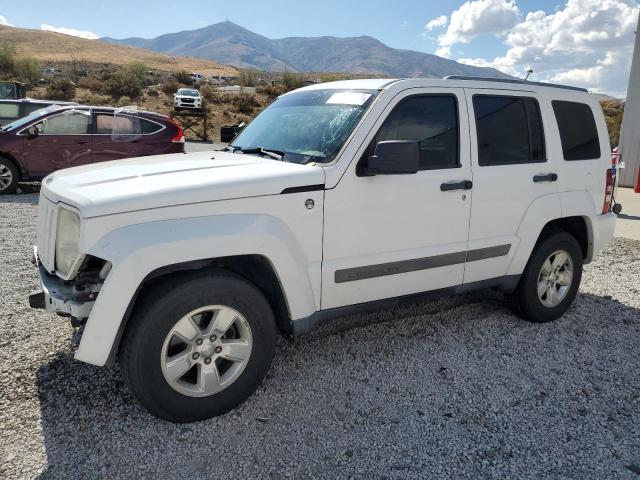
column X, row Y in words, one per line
column 578, row 131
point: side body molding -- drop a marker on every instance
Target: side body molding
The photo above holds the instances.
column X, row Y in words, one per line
column 137, row 250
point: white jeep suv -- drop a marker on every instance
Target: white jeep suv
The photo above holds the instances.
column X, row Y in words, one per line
column 337, row 198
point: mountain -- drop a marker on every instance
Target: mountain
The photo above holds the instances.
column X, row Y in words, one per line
column 229, row 43
column 59, row 48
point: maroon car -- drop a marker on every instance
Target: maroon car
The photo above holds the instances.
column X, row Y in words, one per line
column 67, row 136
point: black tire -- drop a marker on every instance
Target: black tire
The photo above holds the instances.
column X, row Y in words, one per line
column 155, row 315
column 525, row 299
column 6, row 164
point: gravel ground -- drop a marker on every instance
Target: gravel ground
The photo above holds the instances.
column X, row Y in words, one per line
column 456, row 388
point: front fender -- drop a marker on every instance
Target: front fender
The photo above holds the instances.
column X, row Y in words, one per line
column 137, row 250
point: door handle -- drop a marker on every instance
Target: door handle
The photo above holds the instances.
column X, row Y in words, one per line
column 549, row 177
column 463, row 185
column 82, row 142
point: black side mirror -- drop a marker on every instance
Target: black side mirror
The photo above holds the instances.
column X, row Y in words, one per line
column 392, row 157
column 34, row 130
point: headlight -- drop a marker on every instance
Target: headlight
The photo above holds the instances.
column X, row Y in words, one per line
column 67, row 240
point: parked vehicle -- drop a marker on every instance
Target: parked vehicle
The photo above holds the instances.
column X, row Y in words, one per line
column 65, row 136
column 197, row 77
column 12, row 90
column 12, row 110
column 338, row 198
column 187, row 98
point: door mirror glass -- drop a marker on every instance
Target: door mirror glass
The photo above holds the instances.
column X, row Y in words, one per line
column 35, row 130
column 393, row 157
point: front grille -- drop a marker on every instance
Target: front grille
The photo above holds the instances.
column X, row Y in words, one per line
column 47, row 217
column 188, row 100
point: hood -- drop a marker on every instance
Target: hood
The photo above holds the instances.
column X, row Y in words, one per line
column 177, row 179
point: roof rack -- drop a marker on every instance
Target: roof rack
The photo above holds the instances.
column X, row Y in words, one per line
column 516, row 81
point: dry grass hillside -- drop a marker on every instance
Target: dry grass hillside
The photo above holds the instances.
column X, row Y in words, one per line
column 51, row 47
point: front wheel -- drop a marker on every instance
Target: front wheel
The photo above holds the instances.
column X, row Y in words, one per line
column 551, row 279
column 198, row 349
column 9, row 176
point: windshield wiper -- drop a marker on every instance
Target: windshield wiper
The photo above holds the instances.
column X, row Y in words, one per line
column 275, row 154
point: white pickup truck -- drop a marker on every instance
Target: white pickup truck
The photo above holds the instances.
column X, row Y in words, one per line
column 337, row 198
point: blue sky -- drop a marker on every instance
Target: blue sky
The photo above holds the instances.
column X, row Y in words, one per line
column 400, row 26
column 482, row 32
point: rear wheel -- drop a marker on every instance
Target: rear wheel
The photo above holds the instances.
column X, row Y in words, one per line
column 9, row 176
column 551, row 279
column 198, row 349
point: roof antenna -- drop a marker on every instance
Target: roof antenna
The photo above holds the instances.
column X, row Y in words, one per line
column 529, row 72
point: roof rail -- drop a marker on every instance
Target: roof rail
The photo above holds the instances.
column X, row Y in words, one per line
column 516, row 81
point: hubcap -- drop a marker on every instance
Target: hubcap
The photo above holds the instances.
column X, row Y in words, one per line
column 5, row 177
column 555, row 277
column 206, row 351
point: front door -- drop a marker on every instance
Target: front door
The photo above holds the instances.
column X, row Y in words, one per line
column 392, row 235
column 63, row 142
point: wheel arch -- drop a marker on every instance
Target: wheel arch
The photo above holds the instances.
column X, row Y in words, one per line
column 22, row 172
column 256, row 269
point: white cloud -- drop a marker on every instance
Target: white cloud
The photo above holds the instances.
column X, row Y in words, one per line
column 69, row 31
column 588, row 43
column 437, row 22
column 478, row 17
column 3, row 21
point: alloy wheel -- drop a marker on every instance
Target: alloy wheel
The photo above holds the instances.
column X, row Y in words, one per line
column 206, row 350
column 554, row 279
column 6, row 177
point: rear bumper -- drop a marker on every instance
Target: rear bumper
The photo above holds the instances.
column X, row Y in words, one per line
column 59, row 296
column 603, row 227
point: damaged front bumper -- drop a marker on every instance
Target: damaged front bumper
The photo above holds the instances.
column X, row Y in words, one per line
column 60, row 296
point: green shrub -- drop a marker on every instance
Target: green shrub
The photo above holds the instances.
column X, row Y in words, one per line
column 27, row 69
column 127, row 81
column 248, row 78
column 292, row 80
column 60, row 89
column 92, row 83
column 7, row 58
column 97, row 99
column 184, row 78
column 170, row 86
column 124, row 101
column 212, row 95
column 245, row 103
column 272, row 91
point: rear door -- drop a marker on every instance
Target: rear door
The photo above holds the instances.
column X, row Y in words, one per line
column 64, row 141
column 124, row 136
column 511, row 170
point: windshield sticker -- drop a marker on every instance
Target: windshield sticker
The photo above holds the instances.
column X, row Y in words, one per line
column 348, row 98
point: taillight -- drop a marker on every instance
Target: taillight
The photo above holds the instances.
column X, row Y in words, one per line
column 608, row 192
column 179, row 136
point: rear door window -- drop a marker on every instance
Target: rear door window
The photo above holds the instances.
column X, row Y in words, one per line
column 578, row 131
column 125, row 125
column 509, row 130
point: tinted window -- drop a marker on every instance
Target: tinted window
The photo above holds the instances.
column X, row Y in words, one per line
column 67, row 123
column 430, row 120
column 125, row 125
column 578, row 132
column 9, row 110
column 509, row 130
column 149, row 127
